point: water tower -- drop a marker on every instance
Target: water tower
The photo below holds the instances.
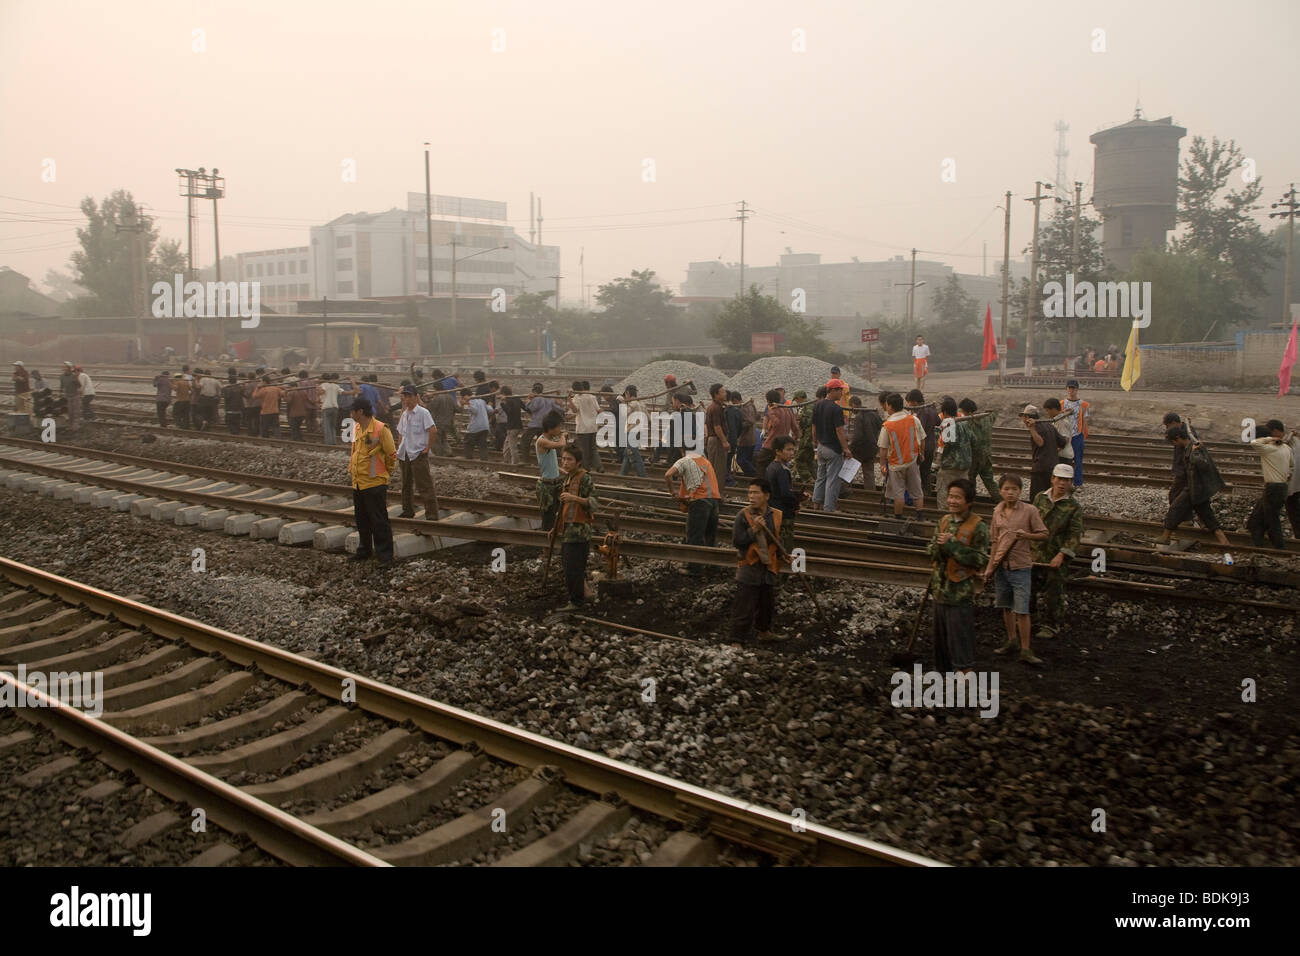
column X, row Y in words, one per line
column 1135, row 185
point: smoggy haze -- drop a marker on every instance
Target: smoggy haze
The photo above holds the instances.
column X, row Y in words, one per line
column 847, row 137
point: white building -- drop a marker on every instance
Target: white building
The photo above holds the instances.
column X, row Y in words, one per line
column 285, row 275
column 385, row 255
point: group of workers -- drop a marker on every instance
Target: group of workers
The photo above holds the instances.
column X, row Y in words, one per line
column 34, row 397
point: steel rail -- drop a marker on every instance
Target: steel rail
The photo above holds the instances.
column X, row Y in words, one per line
column 735, row 820
column 280, row 834
column 891, row 571
column 835, row 539
column 836, row 544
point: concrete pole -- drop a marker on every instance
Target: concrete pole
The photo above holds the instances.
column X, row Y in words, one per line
column 1032, row 294
column 1006, row 274
column 1072, row 342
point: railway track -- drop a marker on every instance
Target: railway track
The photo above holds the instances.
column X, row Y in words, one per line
column 319, row 766
column 297, row 512
column 1103, row 468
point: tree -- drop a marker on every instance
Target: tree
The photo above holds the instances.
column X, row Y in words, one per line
column 1222, row 229
column 103, row 264
column 754, row 312
column 1191, row 297
column 60, row 286
column 953, row 307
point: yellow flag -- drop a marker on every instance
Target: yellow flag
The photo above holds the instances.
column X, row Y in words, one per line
column 1132, row 361
column 356, row 345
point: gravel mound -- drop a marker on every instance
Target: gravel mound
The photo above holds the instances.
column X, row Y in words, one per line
column 649, row 379
column 793, row 373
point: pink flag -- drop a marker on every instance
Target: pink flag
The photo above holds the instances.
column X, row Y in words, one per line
column 1288, row 360
column 492, row 349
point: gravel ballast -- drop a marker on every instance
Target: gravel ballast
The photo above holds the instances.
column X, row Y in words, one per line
column 1139, row 711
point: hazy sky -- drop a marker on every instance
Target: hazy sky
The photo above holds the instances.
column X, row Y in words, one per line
column 838, row 149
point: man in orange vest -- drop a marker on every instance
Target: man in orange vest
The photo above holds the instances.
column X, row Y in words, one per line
column 699, row 496
column 1079, row 409
column 756, row 531
column 369, row 467
column 960, row 550
column 901, row 442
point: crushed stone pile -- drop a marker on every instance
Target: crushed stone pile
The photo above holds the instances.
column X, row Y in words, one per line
column 649, row 379
column 793, row 372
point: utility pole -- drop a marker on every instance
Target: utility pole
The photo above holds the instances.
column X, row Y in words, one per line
column 532, row 234
column 1032, row 294
column 1289, row 206
column 1006, row 275
column 557, row 279
column 744, row 214
column 539, row 220
column 325, row 330
column 911, row 295
column 198, row 184
column 138, row 226
column 1072, row 344
column 428, row 223
column 216, row 190
column 453, row 280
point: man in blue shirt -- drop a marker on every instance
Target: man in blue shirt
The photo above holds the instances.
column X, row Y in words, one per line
column 477, row 431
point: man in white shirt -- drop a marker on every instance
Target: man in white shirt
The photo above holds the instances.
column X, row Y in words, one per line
column 585, row 408
column 415, row 430
column 329, row 391
column 87, row 393
column 1278, row 464
column 920, row 365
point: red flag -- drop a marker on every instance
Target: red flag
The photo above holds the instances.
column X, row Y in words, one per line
column 1288, row 360
column 990, row 343
column 393, row 346
column 492, row 349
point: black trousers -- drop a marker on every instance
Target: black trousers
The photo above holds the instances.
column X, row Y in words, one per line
column 181, row 413
column 574, row 554
column 1266, row 518
column 762, row 458
column 1182, row 508
column 271, row 425
column 1293, row 513
column 162, row 412
column 701, row 527
column 370, row 509
column 752, row 609
column 233, row 420
column 476, row 440
column 1039, row 481
column 295, row 426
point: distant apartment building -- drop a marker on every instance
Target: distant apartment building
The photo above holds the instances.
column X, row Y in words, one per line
column 844, row 294
column 285, row 275
column 386, row 255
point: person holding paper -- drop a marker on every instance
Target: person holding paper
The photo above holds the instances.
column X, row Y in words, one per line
column 832, row 447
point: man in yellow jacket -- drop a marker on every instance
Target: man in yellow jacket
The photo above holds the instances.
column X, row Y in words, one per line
column 371, row 464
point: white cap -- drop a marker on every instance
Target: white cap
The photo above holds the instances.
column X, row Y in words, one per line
column 19, row 363
column 1063, row 471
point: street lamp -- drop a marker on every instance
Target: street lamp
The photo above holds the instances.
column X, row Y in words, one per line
column 454, row 260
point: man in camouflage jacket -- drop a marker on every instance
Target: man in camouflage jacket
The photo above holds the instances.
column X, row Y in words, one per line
column 959, row 550
column 1064, row 519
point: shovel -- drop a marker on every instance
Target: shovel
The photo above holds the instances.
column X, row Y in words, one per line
column 906, row 657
